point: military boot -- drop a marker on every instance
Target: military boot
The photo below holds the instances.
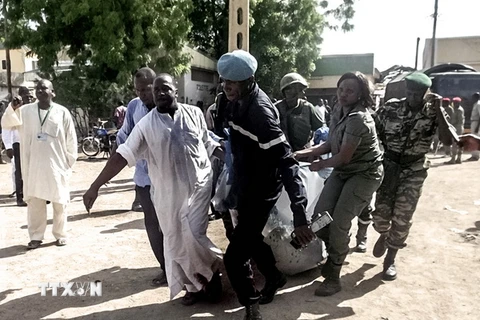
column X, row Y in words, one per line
column 380, row 246
column 389, row 270
column 331, row 284
column 361, row 238
column 252, row 312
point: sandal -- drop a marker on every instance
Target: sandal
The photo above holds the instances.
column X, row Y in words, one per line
column 61, row 242
column 34, row 244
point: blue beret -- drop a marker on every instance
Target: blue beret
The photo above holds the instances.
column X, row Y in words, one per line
column 418, row 81
column 238, row 65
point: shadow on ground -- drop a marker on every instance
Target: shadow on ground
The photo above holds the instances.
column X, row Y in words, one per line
column 134, row 224
column 474, row 229
column 92, row 215
column 295, row 300
column 117, row 283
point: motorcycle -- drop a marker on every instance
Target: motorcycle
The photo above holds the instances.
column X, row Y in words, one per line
column 101, row 140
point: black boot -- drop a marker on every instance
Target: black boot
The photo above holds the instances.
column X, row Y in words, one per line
column 331, row 284
column 252, row 312
column 380, row 246
column 361, row 238
column 389, row 270
column 271, row 287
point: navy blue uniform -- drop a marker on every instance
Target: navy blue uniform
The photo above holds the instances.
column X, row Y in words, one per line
column 263, row 163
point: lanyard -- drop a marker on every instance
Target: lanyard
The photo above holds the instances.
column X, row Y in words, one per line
column 44, row 119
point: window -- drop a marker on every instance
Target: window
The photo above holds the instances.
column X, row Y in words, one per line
column 34, row 65
column 4, row 64
column 202, row 76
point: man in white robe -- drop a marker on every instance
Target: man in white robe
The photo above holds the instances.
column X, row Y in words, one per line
column 174, row 141
column 48, row 151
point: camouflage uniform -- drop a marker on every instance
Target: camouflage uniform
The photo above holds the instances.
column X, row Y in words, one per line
column 406, row 138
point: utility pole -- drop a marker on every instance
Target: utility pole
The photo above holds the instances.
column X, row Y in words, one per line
column 416, row 53
column 238, row 25
column 434, row 39
column 7, row 52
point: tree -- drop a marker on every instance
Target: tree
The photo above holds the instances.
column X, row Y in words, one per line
column 285, row 35
column 106, row 40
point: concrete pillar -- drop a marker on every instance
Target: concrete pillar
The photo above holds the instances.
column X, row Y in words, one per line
column 238, row 25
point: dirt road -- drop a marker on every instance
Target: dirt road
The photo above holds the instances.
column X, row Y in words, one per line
column 439, row 274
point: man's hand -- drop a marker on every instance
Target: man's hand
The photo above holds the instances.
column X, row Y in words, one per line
column 89, row 198
column 17, row 103
column 317, row 165
column 304, row 235
column 10, row 153
column 469, row 142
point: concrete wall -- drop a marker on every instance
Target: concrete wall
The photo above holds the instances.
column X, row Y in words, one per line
column 464, row 50
column 329, row 69
column 191, row 91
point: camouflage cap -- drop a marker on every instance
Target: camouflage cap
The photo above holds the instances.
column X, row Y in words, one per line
column 418, row 81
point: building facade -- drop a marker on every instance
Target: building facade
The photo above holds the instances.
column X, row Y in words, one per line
column 329, row 69
column 465, row 50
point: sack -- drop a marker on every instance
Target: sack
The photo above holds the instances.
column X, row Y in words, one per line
column 280, row 226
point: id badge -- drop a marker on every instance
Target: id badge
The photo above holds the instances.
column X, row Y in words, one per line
column 41, row 136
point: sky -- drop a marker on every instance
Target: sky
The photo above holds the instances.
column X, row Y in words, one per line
column 389, row 28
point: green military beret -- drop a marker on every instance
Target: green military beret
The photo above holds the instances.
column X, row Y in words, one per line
column 418, row 81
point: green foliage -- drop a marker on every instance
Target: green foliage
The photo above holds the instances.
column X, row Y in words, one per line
column 344, row 12
column 292, row 47
column 285, row 35
column 107, row 41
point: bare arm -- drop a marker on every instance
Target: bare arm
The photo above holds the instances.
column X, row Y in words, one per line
column 340, row 159
column 315, row 151
column 114, row 165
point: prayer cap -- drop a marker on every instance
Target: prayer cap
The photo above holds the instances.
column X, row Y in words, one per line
column 446, row 99
column 418, row 81
column 457, row 99
column 238, row 65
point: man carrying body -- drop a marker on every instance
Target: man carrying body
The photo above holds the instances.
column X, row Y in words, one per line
column 262, row 160
column 475, row 123
column 48, row 150
column 298, row 117
column 11, row 139
column 406, row 128
column 174, row 141
column 136, row 110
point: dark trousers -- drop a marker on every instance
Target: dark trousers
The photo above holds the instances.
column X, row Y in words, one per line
column 155, row 235
column 247, row 243
column 18, row 172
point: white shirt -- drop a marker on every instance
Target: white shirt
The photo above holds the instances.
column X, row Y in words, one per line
column 47, row 162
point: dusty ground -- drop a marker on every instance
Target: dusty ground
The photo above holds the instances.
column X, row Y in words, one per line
column 438, row 271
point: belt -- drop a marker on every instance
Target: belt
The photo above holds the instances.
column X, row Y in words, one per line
column 403, row 159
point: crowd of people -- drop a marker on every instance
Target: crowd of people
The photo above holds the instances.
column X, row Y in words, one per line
column 378, row 158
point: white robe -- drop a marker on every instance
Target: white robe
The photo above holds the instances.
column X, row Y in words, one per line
column 177, row 152
column 46, row 165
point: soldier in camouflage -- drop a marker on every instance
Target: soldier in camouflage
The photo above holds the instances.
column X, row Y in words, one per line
column 406, row 129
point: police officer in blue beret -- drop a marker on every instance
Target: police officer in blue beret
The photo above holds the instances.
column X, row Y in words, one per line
column 263, row 163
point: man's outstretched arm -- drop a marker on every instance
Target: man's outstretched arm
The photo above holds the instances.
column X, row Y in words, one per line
column 113, row 167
